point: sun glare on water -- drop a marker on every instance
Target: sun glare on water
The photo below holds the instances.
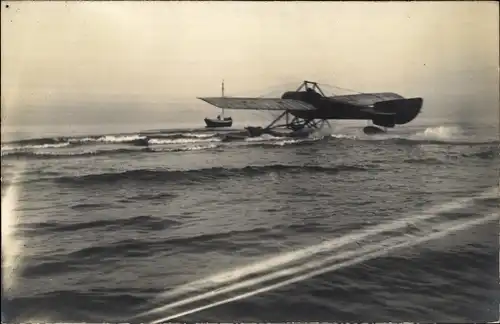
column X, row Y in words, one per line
column 11, row 242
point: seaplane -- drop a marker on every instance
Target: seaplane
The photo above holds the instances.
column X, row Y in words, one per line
column 308, row 109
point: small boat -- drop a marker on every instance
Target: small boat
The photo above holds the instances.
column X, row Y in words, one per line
column 220, row 121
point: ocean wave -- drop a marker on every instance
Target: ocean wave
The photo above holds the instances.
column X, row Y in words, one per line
column 150, row 223
column 132, row 247
column 263, row 137
column 163, row 141
column 67, row 155
column 90, row 206
column 39, row 141
column 196, row 140
column 486, row 154
column 425, row 161
column 284, row 142
column 35, row 147
column 344, row 136
column 189, row 145
column 410, row 141
column 128, row 247
column 197, row 175
column 103, row 152
column 188, row 135
column 132, row 139
column 430, row 135
column 65, row 306
column 61, row 142
column 148, row 197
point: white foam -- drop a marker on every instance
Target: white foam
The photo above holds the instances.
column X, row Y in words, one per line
column 263, row 137
column 196, row 135
column 8, row 148
column 344, row 136
column 288, row 142
column 158, row 141
column 195, row 148
column 109, row 139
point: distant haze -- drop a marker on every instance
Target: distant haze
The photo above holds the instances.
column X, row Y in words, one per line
column 112, row 62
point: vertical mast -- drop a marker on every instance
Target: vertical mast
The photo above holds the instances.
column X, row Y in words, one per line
column 223, row 97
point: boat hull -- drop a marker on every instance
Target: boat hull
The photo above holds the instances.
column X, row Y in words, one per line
column 213, row 123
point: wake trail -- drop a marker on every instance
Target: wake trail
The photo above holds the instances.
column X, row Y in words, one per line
column 326, row 246
column 388, row 246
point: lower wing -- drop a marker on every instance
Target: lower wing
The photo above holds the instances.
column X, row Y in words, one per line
column 257, row 103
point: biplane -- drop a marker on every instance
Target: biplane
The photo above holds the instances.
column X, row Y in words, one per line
column 309, row 108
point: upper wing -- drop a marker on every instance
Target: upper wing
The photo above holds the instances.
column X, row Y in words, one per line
column 367, row 99
column 257, row 103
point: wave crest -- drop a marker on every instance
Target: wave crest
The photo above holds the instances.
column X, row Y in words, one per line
column 198, row 175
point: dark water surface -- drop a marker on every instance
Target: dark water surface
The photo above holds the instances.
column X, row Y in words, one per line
column 106, row 225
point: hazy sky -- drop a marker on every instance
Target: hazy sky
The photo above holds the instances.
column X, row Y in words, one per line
column 62, row 56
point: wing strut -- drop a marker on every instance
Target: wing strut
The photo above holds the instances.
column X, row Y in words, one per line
column 315, row 86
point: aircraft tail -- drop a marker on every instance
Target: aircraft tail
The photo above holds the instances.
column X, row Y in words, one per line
column 402, row 110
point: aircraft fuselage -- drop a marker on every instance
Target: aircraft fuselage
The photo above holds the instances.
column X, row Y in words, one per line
column 339, row 107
